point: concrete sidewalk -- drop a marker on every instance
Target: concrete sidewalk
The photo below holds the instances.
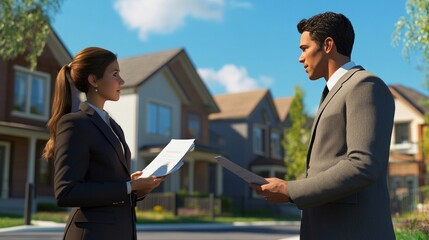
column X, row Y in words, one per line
column 52, row 226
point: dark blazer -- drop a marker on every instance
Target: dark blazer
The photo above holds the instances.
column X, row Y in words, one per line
column 91, row 171
column 345, row 195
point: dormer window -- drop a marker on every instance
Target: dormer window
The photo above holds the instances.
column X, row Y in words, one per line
column 31, row 94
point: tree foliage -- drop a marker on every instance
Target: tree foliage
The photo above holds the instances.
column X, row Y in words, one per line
column 413, row 32
column 295, row 141
column 24, row 27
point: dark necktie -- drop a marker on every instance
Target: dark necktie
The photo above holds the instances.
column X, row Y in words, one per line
column 324, row 94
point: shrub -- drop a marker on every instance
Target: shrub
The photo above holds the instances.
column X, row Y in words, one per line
column 49, row 207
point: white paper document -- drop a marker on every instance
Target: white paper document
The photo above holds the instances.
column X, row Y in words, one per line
column 169, row 159
column 243, row 173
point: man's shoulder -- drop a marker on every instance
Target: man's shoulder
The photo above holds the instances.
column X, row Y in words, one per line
column 361, row 75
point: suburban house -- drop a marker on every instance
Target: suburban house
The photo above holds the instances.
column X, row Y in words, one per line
column 407, row 163
column 282, row 105
column 249, row 129
column 164, row 98
column 25, row 102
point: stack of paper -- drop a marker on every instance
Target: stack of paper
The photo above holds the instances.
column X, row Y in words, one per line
column 169, row 159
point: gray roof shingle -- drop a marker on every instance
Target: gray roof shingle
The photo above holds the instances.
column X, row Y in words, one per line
column 415, row 98
column 135, row 70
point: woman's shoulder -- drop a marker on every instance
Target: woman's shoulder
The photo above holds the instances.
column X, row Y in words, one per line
column 75, row 118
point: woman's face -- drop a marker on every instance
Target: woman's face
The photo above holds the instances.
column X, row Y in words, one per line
column 109, row 86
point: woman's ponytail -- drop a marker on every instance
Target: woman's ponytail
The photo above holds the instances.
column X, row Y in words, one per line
column 61, row 105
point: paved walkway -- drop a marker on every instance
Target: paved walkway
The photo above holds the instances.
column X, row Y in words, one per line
column 52, row 226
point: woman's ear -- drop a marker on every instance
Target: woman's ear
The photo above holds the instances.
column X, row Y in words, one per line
column 92, row 80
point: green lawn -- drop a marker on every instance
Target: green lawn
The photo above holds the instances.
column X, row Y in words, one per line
column 412, row 227
column 8, row 220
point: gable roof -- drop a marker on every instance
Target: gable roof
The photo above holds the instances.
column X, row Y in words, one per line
column 237, row 105
column 282, row 106
column 57, row 47
column 135, row 70
column 414, row 98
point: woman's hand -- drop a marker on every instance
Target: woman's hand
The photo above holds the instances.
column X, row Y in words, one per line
column 136, row 175
column 144, row 185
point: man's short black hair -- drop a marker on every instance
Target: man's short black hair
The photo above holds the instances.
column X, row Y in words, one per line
column 329, row 24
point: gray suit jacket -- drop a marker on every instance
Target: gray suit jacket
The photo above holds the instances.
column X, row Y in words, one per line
column 91, row 171
column 345, row 195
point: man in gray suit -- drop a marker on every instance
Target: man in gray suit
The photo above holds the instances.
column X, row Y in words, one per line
column 344, row 194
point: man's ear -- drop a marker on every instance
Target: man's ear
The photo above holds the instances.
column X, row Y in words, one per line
column 92, row 80
column 328, row 45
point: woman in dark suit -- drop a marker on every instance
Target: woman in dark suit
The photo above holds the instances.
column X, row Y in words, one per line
column 90, row 154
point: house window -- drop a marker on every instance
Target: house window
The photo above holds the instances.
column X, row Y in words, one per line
column 159, row 120
column 194, row 125
column 4, row 169
column 31, row 94
column 402, row 133
column 259, row 140
column 275, row 145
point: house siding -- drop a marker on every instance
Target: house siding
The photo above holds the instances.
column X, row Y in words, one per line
column 3, row 89
column 155, row 90
column 234, row 145
column 197, row 103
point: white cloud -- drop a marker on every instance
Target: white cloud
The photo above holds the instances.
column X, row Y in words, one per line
column 233, row 78
column 165, row 16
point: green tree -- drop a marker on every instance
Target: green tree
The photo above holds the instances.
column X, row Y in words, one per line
column 295, row 141
column 24, row 27
column 413, row 32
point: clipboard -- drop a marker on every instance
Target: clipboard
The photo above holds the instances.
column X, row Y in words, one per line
column 243, row 173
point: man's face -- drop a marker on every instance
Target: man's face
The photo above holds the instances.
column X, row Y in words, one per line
column 312, row 57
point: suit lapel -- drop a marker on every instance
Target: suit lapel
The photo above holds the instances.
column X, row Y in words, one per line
column 117, row 129
column 325, row 102
column 107, row 132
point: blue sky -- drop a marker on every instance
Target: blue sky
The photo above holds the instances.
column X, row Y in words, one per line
column 239, row 45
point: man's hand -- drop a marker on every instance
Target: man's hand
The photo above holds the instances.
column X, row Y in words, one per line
column 274, row 191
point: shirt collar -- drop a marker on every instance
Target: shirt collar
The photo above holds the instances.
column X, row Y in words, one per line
column 101, row 112
column 338, row 74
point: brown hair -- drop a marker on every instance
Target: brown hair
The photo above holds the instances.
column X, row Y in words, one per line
column 91, row 60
